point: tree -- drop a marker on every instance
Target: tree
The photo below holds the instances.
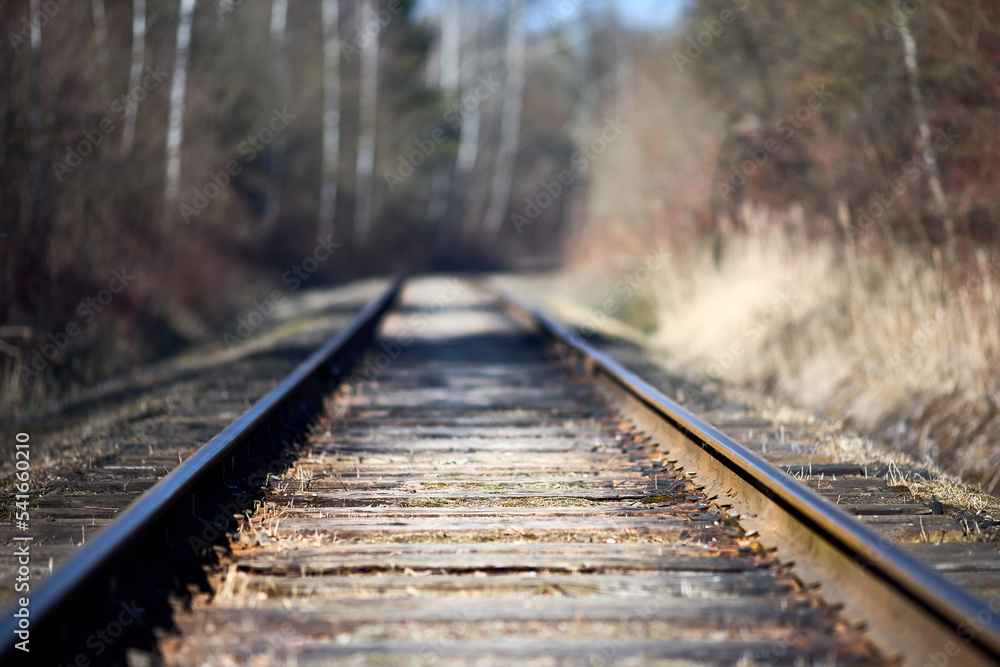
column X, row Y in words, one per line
column 510, row 123
column 331, row 117
column 135, row 73
column 919, row 110
column 101, row 38
column 279, row 89
column 448, row 82
column 468, row 138
column 368, row 32
column 178, row 86
column 451, row 35
column 35, row 159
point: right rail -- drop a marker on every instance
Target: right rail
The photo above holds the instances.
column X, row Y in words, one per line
column 909, row 606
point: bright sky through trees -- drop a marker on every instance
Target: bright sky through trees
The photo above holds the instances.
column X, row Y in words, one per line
column 638, row 14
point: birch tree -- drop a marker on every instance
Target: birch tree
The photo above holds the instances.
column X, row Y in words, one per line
column 451, row 35
column 178, row 86
column 510, row 123
column 901, row 20
column 276, row 161
column 448, row 83
column 101, row 38
column 331, row 117
column 35, row 159
column 468, row 134
column 135, row 73
column 365, row 160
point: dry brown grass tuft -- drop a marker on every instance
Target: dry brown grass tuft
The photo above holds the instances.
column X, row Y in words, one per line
column 898, row 345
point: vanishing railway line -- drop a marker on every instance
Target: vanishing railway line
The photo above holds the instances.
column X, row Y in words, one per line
column 456, row 478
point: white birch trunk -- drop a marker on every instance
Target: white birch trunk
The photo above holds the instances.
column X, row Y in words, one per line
column 365, row 162
column 35, row 159
column 101, row 37
column 510, row 124
column 331, row 117
column 468, row 134
column 923, row 128
column 448, row 83
column 276, row 161
column 178, row 86
column 450, row 44
column 135, row 73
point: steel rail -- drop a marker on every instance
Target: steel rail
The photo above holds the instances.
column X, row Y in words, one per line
column 145, row 513
column 955, row 621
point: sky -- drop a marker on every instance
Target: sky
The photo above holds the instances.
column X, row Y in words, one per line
column 657, row 14
column 649, row 14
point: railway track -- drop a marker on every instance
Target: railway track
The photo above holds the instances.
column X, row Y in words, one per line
column 456, row 478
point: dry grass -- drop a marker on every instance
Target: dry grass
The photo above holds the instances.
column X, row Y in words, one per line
column 898, row 345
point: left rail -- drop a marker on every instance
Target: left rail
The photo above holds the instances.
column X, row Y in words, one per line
column 67, row 597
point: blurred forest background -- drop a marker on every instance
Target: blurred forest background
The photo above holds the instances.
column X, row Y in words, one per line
column 839, row 156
